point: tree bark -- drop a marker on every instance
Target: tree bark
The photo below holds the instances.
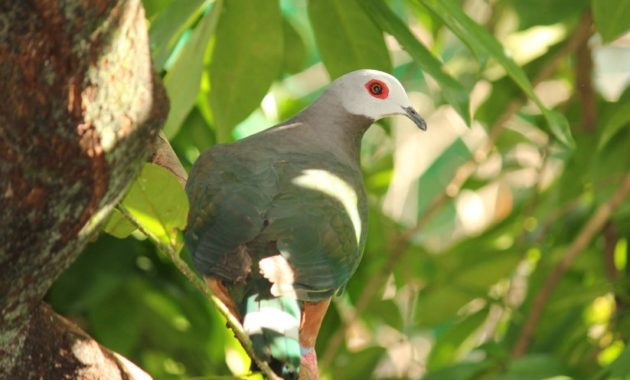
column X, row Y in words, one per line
column 81, row 108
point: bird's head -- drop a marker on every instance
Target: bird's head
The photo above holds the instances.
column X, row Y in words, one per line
column 374, row 94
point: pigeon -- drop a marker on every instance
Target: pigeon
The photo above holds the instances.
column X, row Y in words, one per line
column 278, row 220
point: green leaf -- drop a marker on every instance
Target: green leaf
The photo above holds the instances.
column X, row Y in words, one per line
column 532, row 13
column 158, row 202
column 362, row 364
column 620, row 368
column 476, row 37
column 453, row 91
column 447, row 346
column 356, row 42
column 460, row 371
column 168, row 26
column 294, row 49
column 482, row 269
column 440, row 304
column 247, row 57
column 610, row 165
column 611, row 17
column 435, row 179
column 534, row 366
column 619, row 118
column 123, row 308
column 118, row 226
column 182, row 80
column 153, row 7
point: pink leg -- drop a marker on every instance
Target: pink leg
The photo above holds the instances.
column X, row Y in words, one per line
column 312, row 316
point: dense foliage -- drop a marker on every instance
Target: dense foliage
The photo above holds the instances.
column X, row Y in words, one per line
column 491, row 252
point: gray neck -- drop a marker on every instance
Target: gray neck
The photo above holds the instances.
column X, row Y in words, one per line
column 335, row 129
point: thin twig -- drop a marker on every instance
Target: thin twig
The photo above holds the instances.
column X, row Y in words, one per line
column 582, row 33
column 232, row 322
column 594, row 225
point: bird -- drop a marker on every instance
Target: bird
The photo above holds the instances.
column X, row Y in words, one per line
column 278, row 220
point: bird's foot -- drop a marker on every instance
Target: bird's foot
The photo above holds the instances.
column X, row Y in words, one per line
column 308, row 365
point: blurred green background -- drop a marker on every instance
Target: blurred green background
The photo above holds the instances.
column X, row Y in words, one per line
column 528, row 109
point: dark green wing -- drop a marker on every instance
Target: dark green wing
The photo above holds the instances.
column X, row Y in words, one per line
column 229, row 193
column 310, row 207
column 318, row 221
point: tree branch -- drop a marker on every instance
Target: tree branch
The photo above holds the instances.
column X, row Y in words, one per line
column 232, row 321
column 81, row 106
column 164, row 155
column 594, row 224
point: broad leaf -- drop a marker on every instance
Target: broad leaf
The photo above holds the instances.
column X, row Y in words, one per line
column 182, row 80
column 611, row 17
column 246, row 59
column 387, row 20
column 476, row 37
column 118, row 226
column 158, row 202
column 356, row 43
column 168, row 27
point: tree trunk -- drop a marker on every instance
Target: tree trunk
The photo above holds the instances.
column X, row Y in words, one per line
column 81, row 108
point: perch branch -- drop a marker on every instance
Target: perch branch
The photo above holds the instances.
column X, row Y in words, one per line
column 232, row 322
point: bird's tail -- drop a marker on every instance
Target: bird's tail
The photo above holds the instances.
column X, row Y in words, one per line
column 273, row 326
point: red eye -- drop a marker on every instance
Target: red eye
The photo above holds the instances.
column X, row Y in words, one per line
column 377, row 89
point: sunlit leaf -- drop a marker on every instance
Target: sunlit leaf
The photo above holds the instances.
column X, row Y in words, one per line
column 158, row 202
column 182, row 80
column 611, row 17
column 356, row 43
column 620, row 368
column 453, row 91
column 118, row 225
column 246, row 59
column 476, row 36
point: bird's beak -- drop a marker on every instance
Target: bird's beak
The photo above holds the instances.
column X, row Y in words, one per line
column 415, row 117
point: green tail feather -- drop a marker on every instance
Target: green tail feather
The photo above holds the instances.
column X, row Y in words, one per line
column 273, row 326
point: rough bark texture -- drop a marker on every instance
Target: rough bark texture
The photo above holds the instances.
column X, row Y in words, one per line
column 56, row 348
column 80, row 110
